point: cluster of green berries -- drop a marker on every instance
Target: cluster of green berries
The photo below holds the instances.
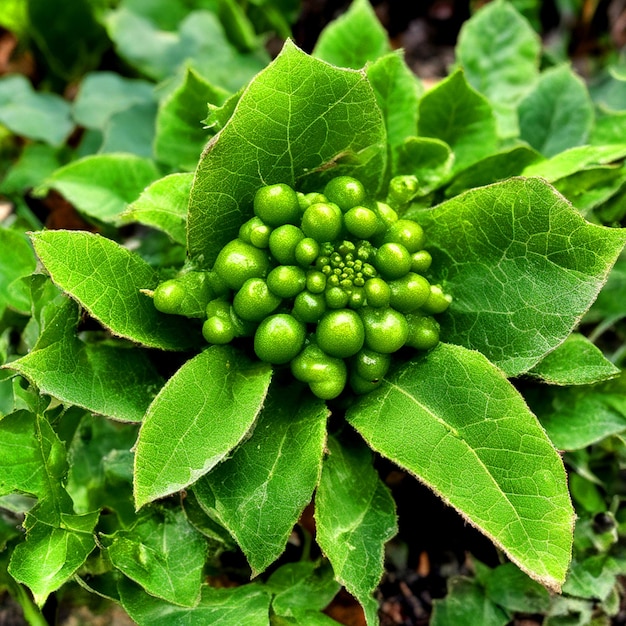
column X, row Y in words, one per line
column 330, row 283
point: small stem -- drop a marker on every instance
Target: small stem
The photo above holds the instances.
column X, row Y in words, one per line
column 32, row 614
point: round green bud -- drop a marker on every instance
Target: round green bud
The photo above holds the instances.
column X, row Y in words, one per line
column 371, row 365
column 279, row 338
column 255, row 232
column 407, row 233
column 392, row 260
column 377, row 292
column 421, row 261
column 276, row 205
column 283, row 243
column 346, row 192
column 286, row 281
column 386, row 330
column 340, row 333
column 315, row 281
column 218, row 330
column 423, row 331
column 307, row 251
column 409, row 292
column 361, row 222
column 336, row 298
column 238, row 261
column 309, row 307
column 254, row 301
column 322, row 222
column 437, row 301
column 361, row 385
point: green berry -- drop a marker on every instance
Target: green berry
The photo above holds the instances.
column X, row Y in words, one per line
column 218, row 330
column 407, row 233
column 361, row 385
column 336, row 298
column 409, row 292
column 254, row 301
column 346, row 192
column 386, row 330
column 322, row 222
column 279, row 338
column 286, row 281
column 437, row 301
column 255, row 232
column 371, row 365
column 361, row 222
column 377, row 292
column 187, row 294
column 421, row 261
column 238, row 261
column 315, row 281
column 307, row 250
column 392, row 260
column 276, row 205
column 283, row 243
column 309, row 307
column 423, row 331
column 340, row 333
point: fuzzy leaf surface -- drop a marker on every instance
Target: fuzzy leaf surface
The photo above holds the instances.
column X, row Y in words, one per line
column 106, row 278
column 354, row 516
column 522, row 267
column 203, row 411
column 260, row 492
column 469, row 436
column 297, row 116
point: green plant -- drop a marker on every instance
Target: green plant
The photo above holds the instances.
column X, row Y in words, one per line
column 200, row 451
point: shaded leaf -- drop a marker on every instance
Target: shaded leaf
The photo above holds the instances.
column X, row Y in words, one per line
column 21, row 262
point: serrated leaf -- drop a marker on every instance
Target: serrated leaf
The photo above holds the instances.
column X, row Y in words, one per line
column 455, row 113
column 218, row 607
column 116, row 381
column 466, row 603
column 53, row 551
column 576, row 361
column 576, row 417
column 198, row 41
column 21, row 262
column 106, row 279
column 101, row 185
column 397, row 92
column 199, row 416
column 354, row 517
column 510, row 588
column 297, row 116
column 522, row 266
column 470, row 437
column 102, row 94
column 180, row 136
column 164, row 554
column 260, row 492
column 354, row 38
column 557, row 114
column 593, row 577
column 499, row 51
column 163, row 205
column 33, row 114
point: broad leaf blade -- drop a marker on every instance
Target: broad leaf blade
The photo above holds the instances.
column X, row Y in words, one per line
column 199, row 416
column 297, row 116
column 468, row 435
column 355, row 516
column 106, row 279
column 522, row 266
column 260, row 492
column 164, row 554
column 19, row 263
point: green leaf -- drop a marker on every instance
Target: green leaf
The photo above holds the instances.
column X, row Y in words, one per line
column 609, row 127
column 180, row 135
column 35, row 163
column 470, row 437
column 106, row 280
column 466, row 603
column 199, row 416
column 21, row 262
column 163, row 205
column 198, row 42
column 557, row 114
column 68, row 35
column 522, row 267
column 574, row 160
column 499, row 51
column 458, row 115
column 131, row 131
column 431, row 160
column 103, row 94
column 593, row 577
column 101, row 185
column 298, row 116
column 260, row 492
column 610, row 305
column 302, row 586
column 576, row 361
column 397, row 92
column 120, row 382
column 14, row 17
column 218, row 607
column 354, row 517
column 164, row 554
column 354, row 38
column 576, row 417
column 492, row 169
column 510, row 588
column 53, row 551
column 35, row 115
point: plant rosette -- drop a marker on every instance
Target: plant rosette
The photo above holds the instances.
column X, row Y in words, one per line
column 307, row 177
